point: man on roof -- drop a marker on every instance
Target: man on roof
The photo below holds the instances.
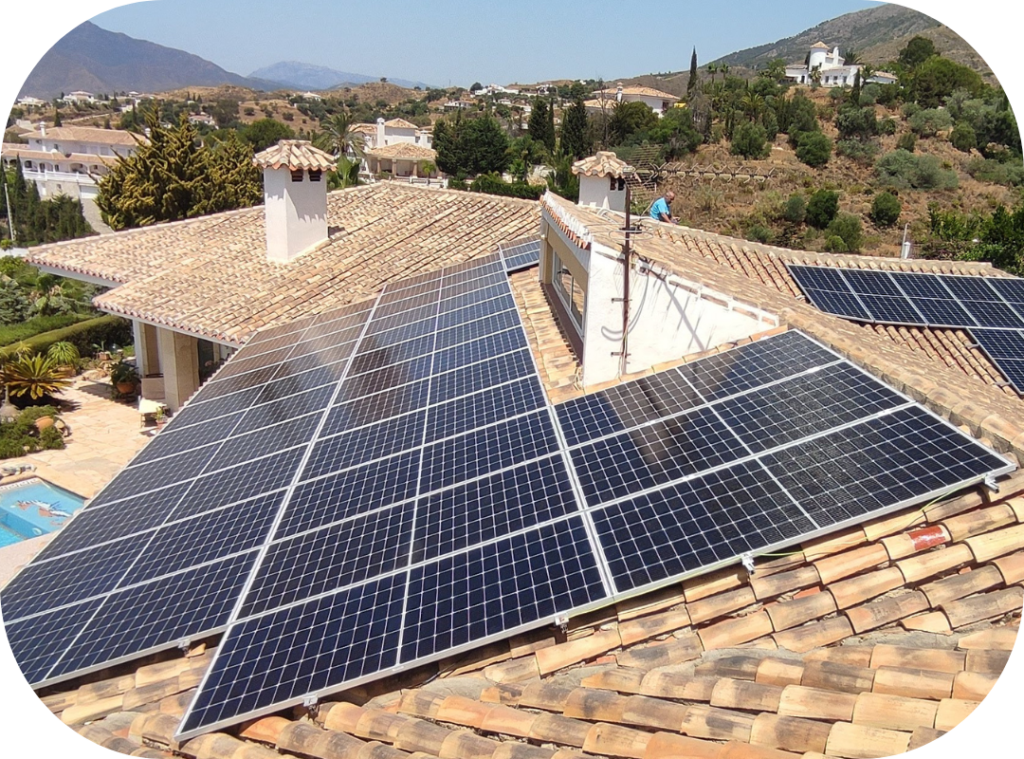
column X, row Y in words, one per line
column 661, row 211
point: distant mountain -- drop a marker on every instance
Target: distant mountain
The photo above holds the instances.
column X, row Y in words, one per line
column 96, row 60
column 853, row 31
column 305, row 76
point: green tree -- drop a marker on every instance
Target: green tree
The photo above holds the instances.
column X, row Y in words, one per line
column 692, row 83
column 750, row 141
column 550, row 132
column 937, row 78
column 263, row 133
column 885, row 209
column 854, row 122
column 173, row 176
column 963, row 137
column 814, row 148
column 14, row 306
column 822, row 208
column 57, row 120
column 630, row 120
column 676, row 131
column 574, row 130
column 917, row 51
column 471, row 146
column 540, row 125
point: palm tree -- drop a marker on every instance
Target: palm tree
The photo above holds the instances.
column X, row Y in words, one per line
column 752, row 105
column 337, row 136
column 712, row 70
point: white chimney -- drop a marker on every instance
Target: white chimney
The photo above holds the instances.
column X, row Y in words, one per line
column 603, row 181
column 380, row 133
column 618, row 94
column 295, row 197
column 42, row 128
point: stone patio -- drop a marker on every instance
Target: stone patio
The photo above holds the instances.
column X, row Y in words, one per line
column 105, row 435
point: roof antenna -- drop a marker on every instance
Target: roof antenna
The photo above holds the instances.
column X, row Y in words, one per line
column 905, row 249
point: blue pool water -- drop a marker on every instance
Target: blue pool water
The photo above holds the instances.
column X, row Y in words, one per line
column 34, row 507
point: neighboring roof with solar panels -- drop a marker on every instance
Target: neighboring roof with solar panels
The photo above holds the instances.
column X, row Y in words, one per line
column 705, row 614
column 378, row 234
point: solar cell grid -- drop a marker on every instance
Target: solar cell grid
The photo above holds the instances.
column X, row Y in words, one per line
column 269, row 660
column 198, row 411
column 1010, row 289
column 277, row 404
column 156, row 474
column 473, row 330
column 942, row 312
column 897, row 310
column 457, row 302
column 655, row 454
column 472, row 286
column 37, row 642
column 340, row 343
column 480, row 376
column 428, row 311
column 376, row 407
column 872, row 283
column 405, row 305
column 487, row 508
column 498, row 587
column 179, row 439
column 476, row 311
column 805, row 405
column 393, row 375
column 695, row 524
column 306, row 373
column 991, row 314
column 1001, row 343
column 191, row 542
column 364, row 444
column 487, row 449
column 484, row 407
column 217, row 388
column 354, row 491
column 495, row 344
column 159, row 613
column 68, row 579
column 969, row 288
column 624, row 406
column 390, row 295
column 118, row 519
column 375, row 354
column 331, row 558
column 876, row 464
column 243, row 365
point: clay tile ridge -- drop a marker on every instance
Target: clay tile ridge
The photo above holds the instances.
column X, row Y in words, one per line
column 604, row 164
column 404, row 150
column 400, row 124
column 294, row 155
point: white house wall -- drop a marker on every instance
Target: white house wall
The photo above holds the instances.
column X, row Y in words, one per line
column 666, row 322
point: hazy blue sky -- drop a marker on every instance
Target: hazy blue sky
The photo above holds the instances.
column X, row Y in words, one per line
column 459, row 41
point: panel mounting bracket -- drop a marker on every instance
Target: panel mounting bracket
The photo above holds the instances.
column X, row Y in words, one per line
column 184, row 644
column 562, row 621
column 991, row 484
column 309, row 703
column 747, row 560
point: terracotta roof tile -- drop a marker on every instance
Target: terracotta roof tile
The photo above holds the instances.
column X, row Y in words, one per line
column 732, row 632
column 654, row 713
column 562, row 655
column 672, row 746
column 738, row 750
column 908, row 543
column 838, row 677
column 87, row 134
column 737, row 666
column 862, row 742
column 994, row 639
column 594, row 705
column 814, row 634
column 619, row 679
column 995, row 544
column 931, row 621
column 789, row 733
column 922, row 736
column 957, row 586
column 543, row 694
column 554, row 728
column 294, row 155
column 420, row 735
column 816, row 703
column 462, row 744
column 885, row 655
column 913, row 683
column 513, row 670
column 953, row 711
column 642, row 628
column 676, row 651
column 720, row 604
column 856, row 590
column 886, row 611
column 848, row 563
column 400, row 124
column 894, row 712
column 746, row 695
column 602, row 164
column 711, row 584
column 967, row 611
column 669, row 683
column 988, row 662
column 505, row 720
column 925, row 565
column 403, row 151
column 973, row 686
column 788, row 614
column 92, row 710
column 979, row 521
column 717, row 724
column 779, row 672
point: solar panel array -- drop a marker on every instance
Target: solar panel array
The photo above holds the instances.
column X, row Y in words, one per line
column 382, row 487
column 991, row 308
column 520, row 254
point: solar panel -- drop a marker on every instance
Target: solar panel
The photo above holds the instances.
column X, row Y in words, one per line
column 520, row 254
column 980, row 304
column 421, row 496
column 1006, row 349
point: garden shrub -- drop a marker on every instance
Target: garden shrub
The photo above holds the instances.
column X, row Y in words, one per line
column 492, row 184
column 930, row 121
column 846, row 227
column 814, row 148
column 750, row 141
column 104, row 330
column 963, row 137
column 907, row 141
column 796, row 209
column 14, row 333
column 885, row 209
column 855, row 150
column 903, row 170
column 822, row 208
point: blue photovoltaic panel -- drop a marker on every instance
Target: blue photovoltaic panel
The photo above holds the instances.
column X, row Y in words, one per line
column 980, row 304
column 409, row 491
column 828, row 290
column 520, row 254
column 1006, row 349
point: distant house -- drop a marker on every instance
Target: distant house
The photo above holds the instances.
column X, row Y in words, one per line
column 29, row 101
column 202, row 118
column 656, row 100
column 831, row 69
column 79, row 96
column 68, row 160
column 459, row 105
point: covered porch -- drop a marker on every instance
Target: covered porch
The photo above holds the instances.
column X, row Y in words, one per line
column 173, row 365
column 402, row 159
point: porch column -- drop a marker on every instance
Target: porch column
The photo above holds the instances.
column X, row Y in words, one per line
column 179, row 358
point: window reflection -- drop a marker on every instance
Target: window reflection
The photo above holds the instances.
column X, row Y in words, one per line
column 570, row 291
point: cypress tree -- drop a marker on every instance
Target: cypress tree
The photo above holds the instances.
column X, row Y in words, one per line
column 855, row 92
column 574, row 130
column 690, row 85
column 537, row 127
column 549, row 133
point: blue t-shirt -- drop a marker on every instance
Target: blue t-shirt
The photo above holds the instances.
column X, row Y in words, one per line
column 660, row 207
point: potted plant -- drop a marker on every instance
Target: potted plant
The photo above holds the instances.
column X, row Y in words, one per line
column 161, row 417
column 124, row 377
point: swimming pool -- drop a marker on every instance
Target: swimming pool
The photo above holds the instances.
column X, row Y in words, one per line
column 34, row 507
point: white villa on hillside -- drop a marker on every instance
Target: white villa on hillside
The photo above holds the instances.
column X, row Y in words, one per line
column 396, row 147
column 656, row 100
column 67, row 160
column 831, row 69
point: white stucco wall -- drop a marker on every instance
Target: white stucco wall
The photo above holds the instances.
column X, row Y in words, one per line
column 296, row 213
column 594, row 191
column 666, row 322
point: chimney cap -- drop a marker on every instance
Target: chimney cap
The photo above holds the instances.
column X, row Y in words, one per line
column 295, row 155
column 604, row 164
